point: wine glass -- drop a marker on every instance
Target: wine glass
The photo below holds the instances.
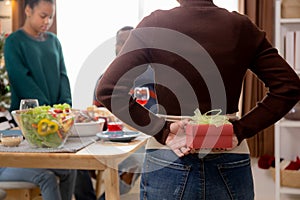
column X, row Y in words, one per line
column 28, row 103
column 141, row 95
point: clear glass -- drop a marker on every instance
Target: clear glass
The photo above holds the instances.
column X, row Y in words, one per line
column 28, row 103
column 141, row 95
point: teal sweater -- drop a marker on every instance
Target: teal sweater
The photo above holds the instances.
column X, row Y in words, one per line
column 36, row 69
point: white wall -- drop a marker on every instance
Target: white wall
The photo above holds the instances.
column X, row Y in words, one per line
column 87, row 29
column 230, row 5
column 82, row 26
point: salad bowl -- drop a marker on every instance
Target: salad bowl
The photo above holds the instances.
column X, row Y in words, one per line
column 45, row 126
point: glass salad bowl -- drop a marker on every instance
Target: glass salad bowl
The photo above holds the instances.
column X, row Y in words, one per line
column 45, row 126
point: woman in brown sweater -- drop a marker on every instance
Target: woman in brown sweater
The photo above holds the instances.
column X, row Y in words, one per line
column 200, row 54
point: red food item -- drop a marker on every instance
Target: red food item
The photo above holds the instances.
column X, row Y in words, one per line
column 58, row 111
column 209, row 136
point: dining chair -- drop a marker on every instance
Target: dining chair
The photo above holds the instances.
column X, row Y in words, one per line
column 19, row 190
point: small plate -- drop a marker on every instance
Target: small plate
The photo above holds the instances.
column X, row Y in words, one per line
column 118, row 136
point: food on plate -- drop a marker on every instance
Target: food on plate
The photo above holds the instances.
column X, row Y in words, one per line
column 104, row 113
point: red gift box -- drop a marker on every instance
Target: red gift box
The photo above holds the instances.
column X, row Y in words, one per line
column 209, row 136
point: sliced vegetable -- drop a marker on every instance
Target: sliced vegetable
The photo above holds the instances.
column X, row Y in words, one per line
column 46, row 127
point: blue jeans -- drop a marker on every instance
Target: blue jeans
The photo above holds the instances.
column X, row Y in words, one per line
column 201, row 177
column 46, row 179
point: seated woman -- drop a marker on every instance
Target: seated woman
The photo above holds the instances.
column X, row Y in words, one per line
column 54, row 183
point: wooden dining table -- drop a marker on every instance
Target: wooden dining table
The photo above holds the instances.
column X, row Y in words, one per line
column 100, row 155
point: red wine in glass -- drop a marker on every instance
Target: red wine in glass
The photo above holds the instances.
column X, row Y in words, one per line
column 141, row 95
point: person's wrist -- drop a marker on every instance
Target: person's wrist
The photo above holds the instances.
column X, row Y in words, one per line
column 162, row 136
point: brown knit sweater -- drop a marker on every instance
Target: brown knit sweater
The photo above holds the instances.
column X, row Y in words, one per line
column 200, row 54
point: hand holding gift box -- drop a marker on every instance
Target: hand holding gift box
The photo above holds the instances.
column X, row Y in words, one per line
column 209, row 131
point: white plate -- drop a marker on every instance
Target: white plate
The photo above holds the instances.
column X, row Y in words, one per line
column 118, row 136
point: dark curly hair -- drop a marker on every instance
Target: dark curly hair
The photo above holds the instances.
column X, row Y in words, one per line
column 33, row 3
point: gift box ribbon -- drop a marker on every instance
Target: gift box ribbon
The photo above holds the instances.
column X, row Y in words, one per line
column 209, row 118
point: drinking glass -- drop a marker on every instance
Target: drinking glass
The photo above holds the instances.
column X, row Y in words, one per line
column 115, row 126
column 28, row 103
column 141, row 95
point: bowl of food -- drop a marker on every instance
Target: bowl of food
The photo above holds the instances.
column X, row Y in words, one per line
column 87, row 124
column 12, row 140
column 88, row 128
column 45, row 126
column 101, row 112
